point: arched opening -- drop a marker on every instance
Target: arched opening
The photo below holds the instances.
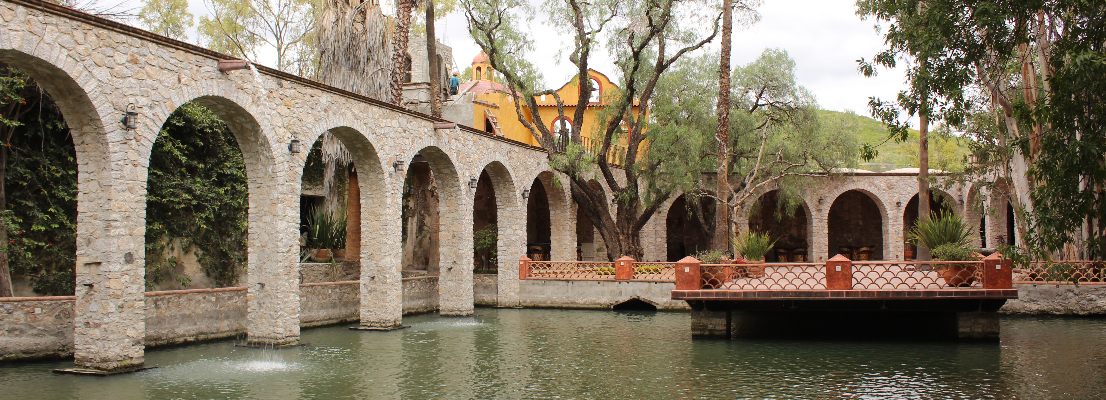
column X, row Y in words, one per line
column 196, row 203
column 589, row 244
column 562, row 132
column 786, row 223
column 421, row 219
column 939, row 202
column 341, row 174
column 539, row 244
column 634, row 304
column 856, row 226
column 597, row 90
column 485, row 231
column 38, row 187
column 687, row 226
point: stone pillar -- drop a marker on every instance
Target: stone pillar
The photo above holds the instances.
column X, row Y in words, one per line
column 512, row 245
column 819, row 227
column 381, row 282
column 710, row 323
column 455, row 241
column 895, row 232
column 689, row 274
column 109, row 311
column 979, row 325
column 624, row 268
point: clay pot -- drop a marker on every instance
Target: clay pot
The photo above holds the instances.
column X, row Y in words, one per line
column 321, row 255
column 339, row 254
column 755, row 271
column 958, row 275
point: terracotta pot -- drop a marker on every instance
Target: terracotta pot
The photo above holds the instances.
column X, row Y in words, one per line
column 321, row 255
column 339, row 254
column 958, row 275
column 755, row 271
column 717, row 276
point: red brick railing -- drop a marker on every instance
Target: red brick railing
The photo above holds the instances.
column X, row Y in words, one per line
column 840, row 273
column 1062, row 273
column 622, row 269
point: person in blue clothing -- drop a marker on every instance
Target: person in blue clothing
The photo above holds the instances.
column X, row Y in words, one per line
column 453, row 84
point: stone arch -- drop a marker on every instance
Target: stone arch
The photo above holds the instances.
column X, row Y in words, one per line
column 454, row 244
column 792, row 232
column 106, row 251
column 850, row 223
column 684, row 235
column 940, row 201
column 589, row 244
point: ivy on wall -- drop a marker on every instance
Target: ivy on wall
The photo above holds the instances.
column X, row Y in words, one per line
column 40, row 186
column 197, row 192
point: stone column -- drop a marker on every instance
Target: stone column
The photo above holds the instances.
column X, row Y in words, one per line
column 381, row 282
column 512, row 245
column 562, row 218
column 455, row 249
column 981, row 325
column 819, row 227
column 707, row 323
column 894, row 232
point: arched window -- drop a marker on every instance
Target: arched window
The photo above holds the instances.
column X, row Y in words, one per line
column 478, row 75
column 562, row 132
column 596, row 91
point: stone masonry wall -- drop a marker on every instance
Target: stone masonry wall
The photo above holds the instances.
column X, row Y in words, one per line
column 597, row 294
column 1058, row 300
column 182, row 316
column 329, row 303
column 420, row 295
column 33, row 328
column 484, row 288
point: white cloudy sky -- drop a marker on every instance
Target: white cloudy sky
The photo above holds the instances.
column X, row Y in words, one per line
column 825, row 38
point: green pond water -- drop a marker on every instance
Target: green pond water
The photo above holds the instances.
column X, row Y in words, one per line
column 530, row 353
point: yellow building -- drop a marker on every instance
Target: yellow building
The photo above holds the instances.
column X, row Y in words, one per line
column 485, row 104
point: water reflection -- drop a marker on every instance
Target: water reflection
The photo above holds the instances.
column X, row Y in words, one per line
column 511, row 353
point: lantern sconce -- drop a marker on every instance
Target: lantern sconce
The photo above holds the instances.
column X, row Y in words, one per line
column 525, row 194
column 898, row 204
column 821, row 200
column 130, row 117
column 960, row 200
column 473, row 183
column 294, row 146
column 398, row 165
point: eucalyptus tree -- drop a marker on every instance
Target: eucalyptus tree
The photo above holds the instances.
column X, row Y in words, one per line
column 645, row 38
column 1038, row 66
column 167, row 17
column 777, row 137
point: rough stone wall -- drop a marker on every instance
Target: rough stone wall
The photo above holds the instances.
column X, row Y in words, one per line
column 33, row 328
column 329, row 272
column 95, row 68
column 420, row 295
column 182, row 316
column 1058, row 300
column 329, row 303
column 485, row 289
column 597, row 294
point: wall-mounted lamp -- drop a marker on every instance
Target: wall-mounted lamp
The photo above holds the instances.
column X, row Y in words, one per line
column 821, row 200
column 898, row 204
column 294, row 146
column 525, row 194
column 398, row 165
column 960, row 199
column 130, row 118
column 472, row 183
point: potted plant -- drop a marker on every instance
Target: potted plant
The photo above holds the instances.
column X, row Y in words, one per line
column 716, row 274
column 948, row 237
column 326, row 231
column 956, row 275
column 753, row 246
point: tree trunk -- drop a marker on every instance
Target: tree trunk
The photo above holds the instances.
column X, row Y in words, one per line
column 923, row 175
column 720, row 239
column 432, row 63
column 399, row 43
column 353, row 218
column 5, row 271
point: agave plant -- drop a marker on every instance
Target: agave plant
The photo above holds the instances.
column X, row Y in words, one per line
column 326, row 229
column 945, row 228
column 752, row 245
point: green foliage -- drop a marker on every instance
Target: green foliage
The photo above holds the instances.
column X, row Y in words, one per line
column 40, row 186
column 947, row 152
column 197, row 193
column 604, row 271
column 942, row 228
column 954, row 252
column 712, row 256
column 648, row 269
column 486, row 242
column 326, row 229
column 166, row 17
column 752, row 245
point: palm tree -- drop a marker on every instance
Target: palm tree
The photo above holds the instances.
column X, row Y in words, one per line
column 354, row 47
column 399, row 48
